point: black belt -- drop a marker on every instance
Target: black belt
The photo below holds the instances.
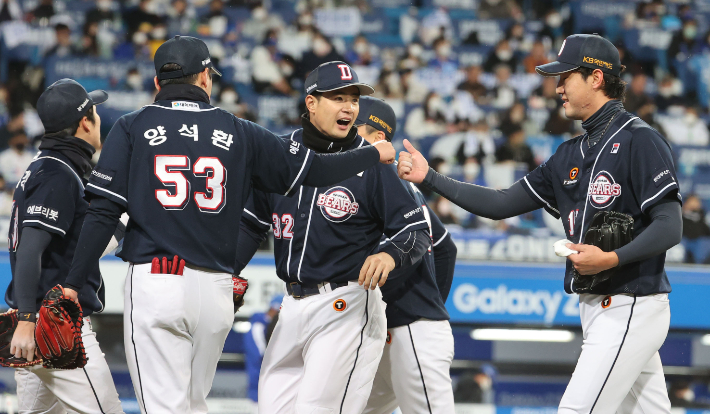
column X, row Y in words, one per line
column 300, row 290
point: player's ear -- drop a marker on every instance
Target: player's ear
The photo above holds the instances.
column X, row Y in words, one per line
column 597, row 79
column 157, row 85
column 311, row 103
column 381, row 136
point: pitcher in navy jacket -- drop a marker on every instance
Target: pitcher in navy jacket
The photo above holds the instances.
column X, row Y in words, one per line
column 619, row 164
column 328, row 341
column 183, row 169
column 414, row 370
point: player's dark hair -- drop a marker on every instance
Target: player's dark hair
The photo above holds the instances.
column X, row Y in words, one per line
column 370, row 129
column 614, row 87
column 184, row 80
column 71, row 130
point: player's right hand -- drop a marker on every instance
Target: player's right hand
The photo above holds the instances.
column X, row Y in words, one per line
column 387, row 152
column 412, row 165
column 375, row 270
column 71, row 294
column 23, row 341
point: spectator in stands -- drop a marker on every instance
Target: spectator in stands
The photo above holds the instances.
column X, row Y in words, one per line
column 89, row 44
column 103, row 11
column 558, row 123
column 428, row 119
column 696, row 232
column 413, row 58
column 322, row 52
column 545, row 95
column 255, row 344
column 134, row 81
column 413, row 91
column 64, row 46
column 636, row 96
column 688, row 129
column 684, row 43
column 6, row 192
column 435, row 25
column 14, row 126
column 537, row 57
column 516, row 117
column 229, row 100
column 516, row 150
column 442, row 55
column 45, row 10
column 10, row 10
column 648, row 114
column 363, row 52
column 498, row 9
column 682, row 395
column 503, row 54
column 473, row 85
column 15, row 160
column 215, row 22
column 443, row 209
column 181, row 18
column 471, row 387
column 266, row 71
column 670, row 90
column 503, row 95
column 516, row 38
column 389, row 85
column 477, row 145
column 136, row 16
column 260, row 23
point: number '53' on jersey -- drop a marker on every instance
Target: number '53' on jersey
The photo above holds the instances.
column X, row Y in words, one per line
column 183, row 170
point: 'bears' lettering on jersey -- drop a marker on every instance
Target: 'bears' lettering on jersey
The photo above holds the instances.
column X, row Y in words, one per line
column 337, row 204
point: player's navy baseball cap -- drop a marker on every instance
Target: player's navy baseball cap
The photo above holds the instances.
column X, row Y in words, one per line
column 65, row 102
column 589, row 51
column 378, row 114
column 335, row 75
column 190, row 53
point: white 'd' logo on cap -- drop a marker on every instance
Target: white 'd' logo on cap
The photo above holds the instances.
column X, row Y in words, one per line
column 562, row 47
column 82, row 105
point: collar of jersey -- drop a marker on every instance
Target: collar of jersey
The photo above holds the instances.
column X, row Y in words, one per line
column 186, row 92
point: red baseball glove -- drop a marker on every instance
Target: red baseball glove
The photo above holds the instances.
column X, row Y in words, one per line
column 58, row 331
column 240, row 288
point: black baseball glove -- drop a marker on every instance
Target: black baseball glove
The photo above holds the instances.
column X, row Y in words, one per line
column 608, row 230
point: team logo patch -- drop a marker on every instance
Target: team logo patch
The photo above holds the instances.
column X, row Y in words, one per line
column 389, row 338
column 573, row 173
column 606, row 302
column 615, row 148
column 337, row 204
column 603, row 190
column 339, row 305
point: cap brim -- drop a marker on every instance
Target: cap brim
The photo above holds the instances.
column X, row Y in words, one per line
column 555, row 68
column 365, row 89
column 98, row 96
column 215, row 71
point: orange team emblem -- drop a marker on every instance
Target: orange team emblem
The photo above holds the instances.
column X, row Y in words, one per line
column 389, row 338
column 573, row 173
column 606, row 302
column 339, row 305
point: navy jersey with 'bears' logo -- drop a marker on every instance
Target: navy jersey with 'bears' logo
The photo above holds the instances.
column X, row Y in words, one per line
column 420, row 292
column 50, row 197
column 628, row 171
column 325, row 234
column 183, row 169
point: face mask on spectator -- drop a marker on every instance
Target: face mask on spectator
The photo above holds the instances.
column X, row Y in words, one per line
column 688, row 395
column 103, row 5
column 394, row 84
column 415, row 50
column 444, row 50
column 229, row 97
column 140, row 38
column 286, row 69
column 486, row 384
column 471, row 170
column 690, row 118
column 360, row 47
column 259, row 13
column 554, row 20
column 135, row 82
column 690, row 31
column 159, row 33
column 504, row 54
column 435, row 105
column 320, row 46
column 305, row 20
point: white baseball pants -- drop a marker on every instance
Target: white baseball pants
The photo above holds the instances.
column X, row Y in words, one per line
column 324, row 352
column 54, row 391
column 174, row 331
column 414, row 370
column 619, row 369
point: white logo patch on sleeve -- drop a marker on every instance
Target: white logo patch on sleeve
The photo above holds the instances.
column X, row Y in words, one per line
column 186, row 106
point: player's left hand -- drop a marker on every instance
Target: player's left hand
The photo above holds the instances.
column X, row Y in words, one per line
column 591, row 260
column 71, row 294
column 23, row 341
column 375, row 270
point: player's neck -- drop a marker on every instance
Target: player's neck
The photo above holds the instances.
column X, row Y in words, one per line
column 596, row 106
column 316, row 140
column 182, row 91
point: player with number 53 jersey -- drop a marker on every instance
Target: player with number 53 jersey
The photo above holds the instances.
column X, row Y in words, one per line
column 183, row 170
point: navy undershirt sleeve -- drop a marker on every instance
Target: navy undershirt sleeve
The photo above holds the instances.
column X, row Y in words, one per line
column 664, row 232
column 482, row 201
column 28, row 267
column 102, row 218
column 329, row 169
column 250, row 238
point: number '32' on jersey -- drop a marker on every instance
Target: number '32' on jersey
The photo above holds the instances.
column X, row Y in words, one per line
column 628, row 171
column 325, row 234
column 183, row 171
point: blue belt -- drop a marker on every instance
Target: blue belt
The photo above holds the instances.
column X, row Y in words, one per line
column 300, row 290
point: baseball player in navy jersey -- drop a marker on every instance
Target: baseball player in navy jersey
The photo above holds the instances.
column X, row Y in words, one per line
column 182, row 169
column 619, row 165
column 327, row 344
column 414, row 370
column 47, row 214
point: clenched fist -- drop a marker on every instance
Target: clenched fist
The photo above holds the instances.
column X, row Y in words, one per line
column 412, row 165
column 375, row 270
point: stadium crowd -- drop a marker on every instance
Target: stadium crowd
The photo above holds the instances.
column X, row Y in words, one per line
column 459, row 73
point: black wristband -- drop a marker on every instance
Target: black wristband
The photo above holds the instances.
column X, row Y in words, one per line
column 27, row 317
